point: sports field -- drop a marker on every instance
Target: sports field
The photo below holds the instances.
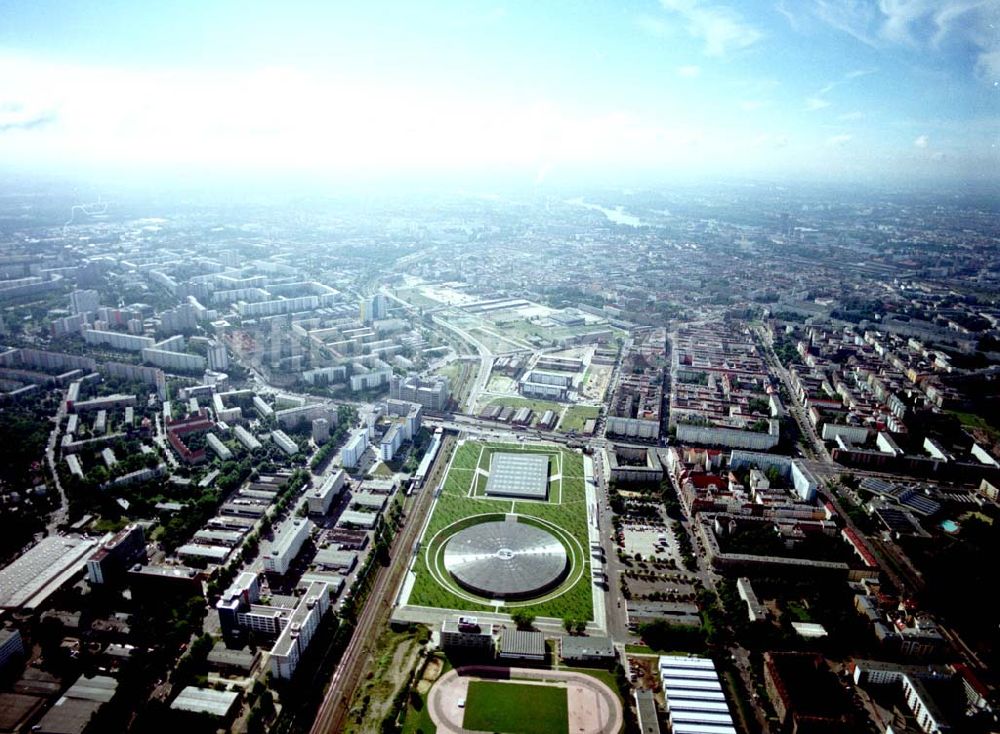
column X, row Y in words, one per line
column 516, row 708
column 462, row 503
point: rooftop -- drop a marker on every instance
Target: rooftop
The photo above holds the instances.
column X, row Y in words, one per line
column 205, row 701
column 31, row 578
column 518, row 475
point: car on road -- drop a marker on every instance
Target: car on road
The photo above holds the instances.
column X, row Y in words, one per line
column 461, row 703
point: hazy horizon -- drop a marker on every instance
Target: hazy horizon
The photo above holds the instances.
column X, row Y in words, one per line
column 616, row 93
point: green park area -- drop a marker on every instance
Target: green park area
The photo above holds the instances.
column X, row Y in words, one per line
column 577, row 416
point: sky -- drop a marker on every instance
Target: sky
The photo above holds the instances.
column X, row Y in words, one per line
column 544, row 91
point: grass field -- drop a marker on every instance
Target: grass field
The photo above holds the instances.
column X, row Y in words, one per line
column 516, row 708
column 460, row 505
column 576, row 416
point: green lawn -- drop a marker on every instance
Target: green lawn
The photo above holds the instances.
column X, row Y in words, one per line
column 576, row 416
column 566, row 510
column 516, row 708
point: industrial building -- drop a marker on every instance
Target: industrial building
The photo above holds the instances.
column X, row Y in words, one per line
column 577, row 650
column 515, row 644
column 692, row 694
column 217, row 704
column 37, row 573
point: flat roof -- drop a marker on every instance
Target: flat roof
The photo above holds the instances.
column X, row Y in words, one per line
column 645, row 705
column 684, row 727
column 205, row 701
column 686, row 695
column 368, row 499
column 522, row 642
column 687, row 683
column 212, row 552
column 68, row 716
column 335, row 558
column 685, row 704
column 573, row 646
column 99, row 688
column 685, row 661
column 29, row 580
column 361, row 519
column 518, row 475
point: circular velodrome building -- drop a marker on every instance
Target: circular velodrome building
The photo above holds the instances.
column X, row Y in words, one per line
column 506, row 560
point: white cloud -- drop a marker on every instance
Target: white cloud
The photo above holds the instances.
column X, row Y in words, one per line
column 851, row 116
column 819, row 101
column 816, row 103
column 988, row 65
column 722, row 29
column 689, row 71
column 793, row 21
column 921, row 141
column 924, row 24
column 837, row 141
column 751, row 105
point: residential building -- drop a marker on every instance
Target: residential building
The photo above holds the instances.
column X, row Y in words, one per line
column 84, row 301
column 432, row 394
column 284, row 442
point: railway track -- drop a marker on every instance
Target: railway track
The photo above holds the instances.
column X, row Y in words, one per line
column 375, row 614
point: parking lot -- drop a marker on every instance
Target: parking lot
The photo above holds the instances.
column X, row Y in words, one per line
column 651, row 541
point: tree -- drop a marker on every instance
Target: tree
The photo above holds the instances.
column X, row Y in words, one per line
column 568, row 624
column 523, row 620
column 580, row 626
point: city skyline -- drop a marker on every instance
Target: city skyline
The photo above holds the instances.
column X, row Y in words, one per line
column 887, row 92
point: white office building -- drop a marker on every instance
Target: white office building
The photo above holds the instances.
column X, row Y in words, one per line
column 321, row 498
column 352, row 452
column 288, row 540
column 391, row 442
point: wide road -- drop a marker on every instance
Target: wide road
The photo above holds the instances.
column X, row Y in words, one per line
column 375, row 614
column 485, row 359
